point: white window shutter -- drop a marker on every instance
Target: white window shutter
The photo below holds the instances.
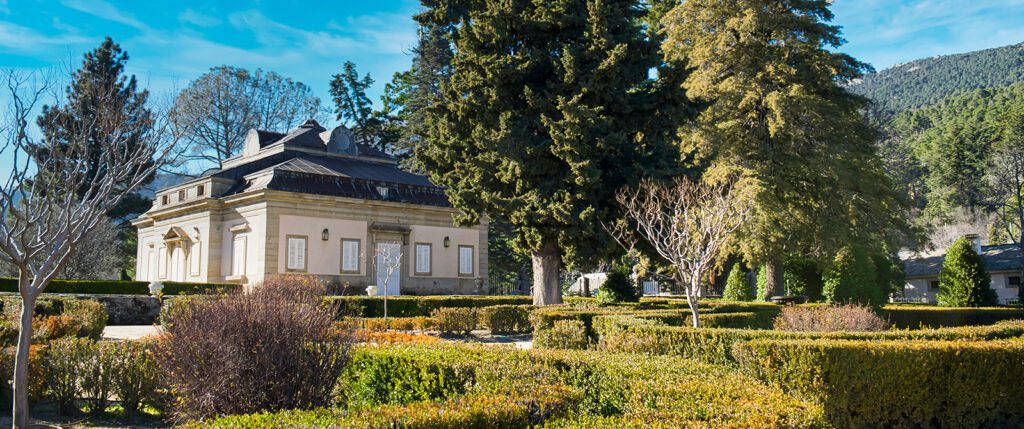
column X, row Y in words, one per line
column 465, row 260
column 422, row 258
column 300, row 250
column 350, row 255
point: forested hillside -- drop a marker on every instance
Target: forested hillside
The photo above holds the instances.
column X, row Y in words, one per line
column 923, row 82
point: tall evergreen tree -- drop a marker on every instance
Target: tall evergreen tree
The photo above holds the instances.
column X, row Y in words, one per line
column 737, row 288
column 351, row 104
column 102, row 99
column 777, row 110
column 549, row 110
column 420, row 88
column 963, row 281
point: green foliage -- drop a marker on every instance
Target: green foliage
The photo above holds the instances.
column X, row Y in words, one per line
column 852, row 278
column 91, row 314
column 924, row 82
column 916, row 316
column 762, row 284
column 134, row 377
column 803, row 277
column 618, row 333
column 506, row 319
column 572, row 79
column 98, row 287
column 963, row 281
column 382, row 379
column 563, row 334
column 736, row 286
column 188, row 288
column 516, row 389
column 618, row 287
column 879, row 384
column 455, row 320
column 412, row 306
column 65, row 363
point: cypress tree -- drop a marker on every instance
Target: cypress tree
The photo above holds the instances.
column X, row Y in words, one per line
column 853, row 278
column 551, row 107
column 963, row 281
column 736, row 286
column 762, row 284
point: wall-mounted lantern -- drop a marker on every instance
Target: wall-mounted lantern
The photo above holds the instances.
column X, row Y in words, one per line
column 447, row 242
column 325, row 235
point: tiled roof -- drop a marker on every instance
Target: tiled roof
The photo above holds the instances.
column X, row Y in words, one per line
column 997, row 258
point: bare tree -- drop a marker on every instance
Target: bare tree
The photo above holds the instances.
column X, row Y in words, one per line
column 686, row 223
column 98, row 257
column 387, row 261
column 49, row 206
column 220, row 107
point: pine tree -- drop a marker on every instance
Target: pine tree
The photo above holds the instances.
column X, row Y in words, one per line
column 549, row 110
column 351, row 104
column 736, row 286
column 963, row 281
column 778, row 111
column 421, row 89
column 102, row 99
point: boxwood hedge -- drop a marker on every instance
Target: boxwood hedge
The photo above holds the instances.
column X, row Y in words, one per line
column 118, row 287
column 897, row 383
column 468, row 387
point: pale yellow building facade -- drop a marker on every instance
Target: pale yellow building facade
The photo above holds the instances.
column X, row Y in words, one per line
column 312, row 202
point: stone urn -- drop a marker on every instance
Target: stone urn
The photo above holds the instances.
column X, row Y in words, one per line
column 155, row 288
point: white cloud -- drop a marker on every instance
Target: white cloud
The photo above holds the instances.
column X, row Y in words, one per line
column 26, row 40
column 189, row 16
column 102, row 9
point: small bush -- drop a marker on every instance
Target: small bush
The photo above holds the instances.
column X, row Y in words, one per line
column 91, row 315
column 134, row 375
column 398, row 323
column 394, row 337
column 762, row 284
column 618, row 287
column 736, row 286
column 50, row 328
column 852, row 279
column 64, row 363
column 506, row 319
column 563, row 334
column 829, row 318
column 963, row 281
column 455, row 320
column 95, row 379
column 275, row 348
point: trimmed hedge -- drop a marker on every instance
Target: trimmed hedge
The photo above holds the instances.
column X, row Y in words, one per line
column 481, row 387
column 118, row 287
column 897, row 383
column 630, row 334
column 414, row 306
column 506, row 319
column 917, row 316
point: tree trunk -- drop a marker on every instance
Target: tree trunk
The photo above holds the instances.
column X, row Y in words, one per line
column 28, row 307
column 546, row 290
column 692, row 296
column 776, row 282
column 586, row 286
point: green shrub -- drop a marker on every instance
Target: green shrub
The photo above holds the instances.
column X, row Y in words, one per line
column 803, row 277
column 506, row 319
column 618, row 333
column 563, row 334
column 963, row 281
column 91, row 315
column 917, row 316
column 762, row 284
column 190, row 288
column 134, row 374
column 455, row 320
column 97, row 287
column 416, row 306
column 569, row 389
column 64, row 363
column 852, row 279
column 736, row 286
column 385, row 379
column 618, row 287
column 95, row 378
column 897, row 383
column 398, row 323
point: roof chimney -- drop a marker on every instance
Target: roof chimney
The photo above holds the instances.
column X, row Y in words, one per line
column 975, row 240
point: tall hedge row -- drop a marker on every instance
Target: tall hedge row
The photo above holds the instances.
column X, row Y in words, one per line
column 897, row 383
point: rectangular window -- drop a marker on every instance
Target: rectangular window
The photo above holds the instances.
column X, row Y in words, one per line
column 934, row 285
column 349, row 255
column 238, row 255
column 1014, row 281
column 165, row 200
column 193, row 259
column 465, row 260
column 162, row 263
column 296, row 253
column 200, row 190
column 181, row 195
column 423, row 258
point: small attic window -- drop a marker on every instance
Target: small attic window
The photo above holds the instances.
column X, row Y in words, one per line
column 165, row 200
column 181, row 195
column 200, row 190
column 383, row 191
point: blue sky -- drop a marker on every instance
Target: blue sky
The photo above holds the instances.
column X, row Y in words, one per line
column 172, row 42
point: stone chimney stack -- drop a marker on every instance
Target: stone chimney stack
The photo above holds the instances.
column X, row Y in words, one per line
column 975, row 240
